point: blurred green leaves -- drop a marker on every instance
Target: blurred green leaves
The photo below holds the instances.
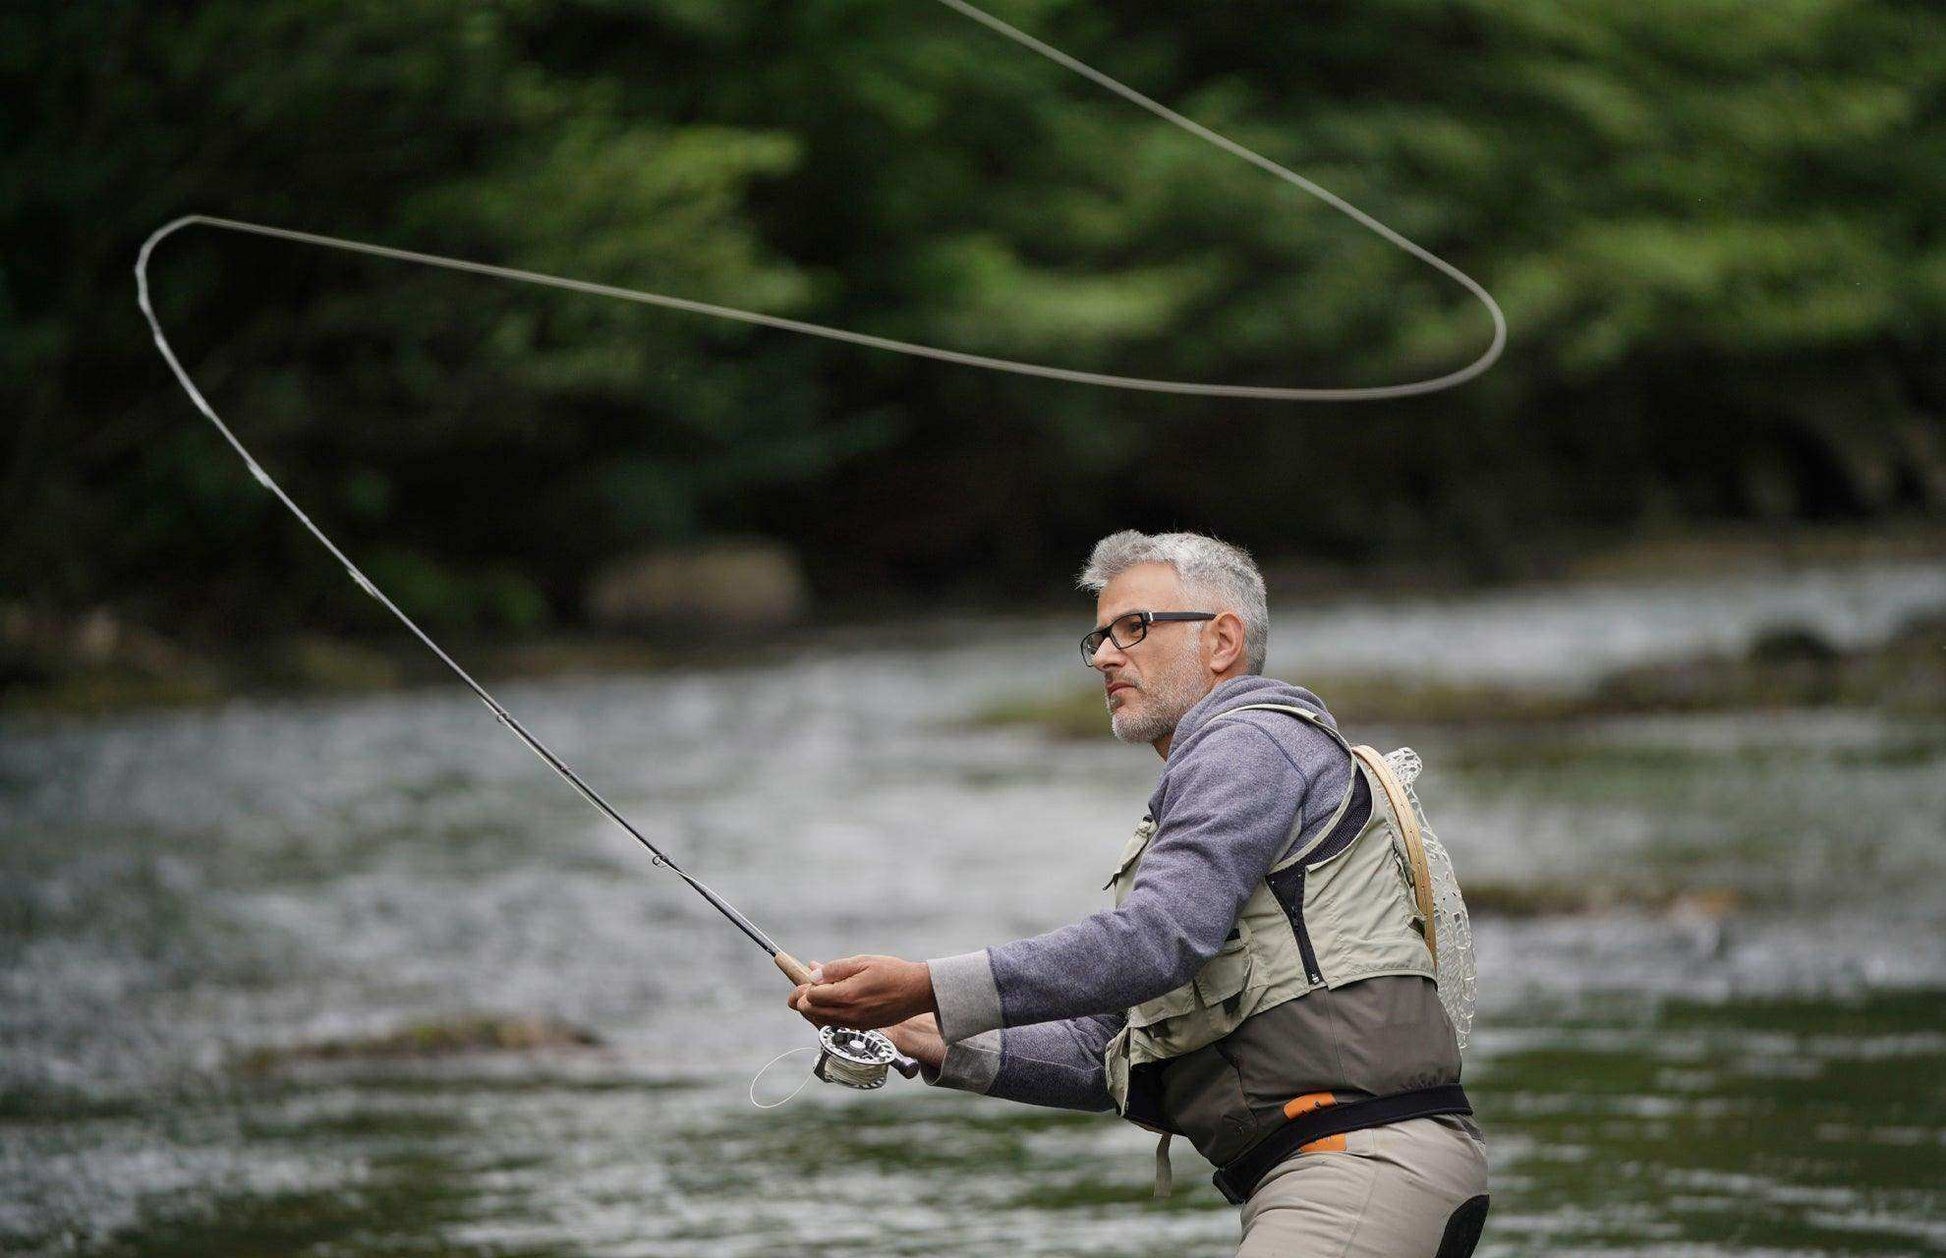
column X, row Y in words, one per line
column 1713, row 223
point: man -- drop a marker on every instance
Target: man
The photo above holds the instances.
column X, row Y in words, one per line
column 1262, row 986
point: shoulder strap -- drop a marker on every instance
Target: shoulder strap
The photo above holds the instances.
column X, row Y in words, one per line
column 1351, row 788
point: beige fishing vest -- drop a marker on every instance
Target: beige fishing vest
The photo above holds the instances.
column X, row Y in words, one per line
column 1353, row 914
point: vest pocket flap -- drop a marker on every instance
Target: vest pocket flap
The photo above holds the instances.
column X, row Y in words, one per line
column 1132, row 850
column 1226, row 974
column 1173, row 1003
column 1222, row 977
column 1114, row 1061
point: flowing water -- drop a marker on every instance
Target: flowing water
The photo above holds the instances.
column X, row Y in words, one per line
column 1713, row 952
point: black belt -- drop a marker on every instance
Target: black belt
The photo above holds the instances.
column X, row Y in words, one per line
column 1238, row 1179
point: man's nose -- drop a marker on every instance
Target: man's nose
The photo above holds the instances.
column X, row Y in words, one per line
column 1107, row 656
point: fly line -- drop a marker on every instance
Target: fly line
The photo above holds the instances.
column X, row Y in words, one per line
column 847, row 1055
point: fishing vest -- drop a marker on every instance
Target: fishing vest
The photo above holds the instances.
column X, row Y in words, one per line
column 1340, row 909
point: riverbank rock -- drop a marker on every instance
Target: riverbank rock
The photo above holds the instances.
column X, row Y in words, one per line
column 486, row 1033
column 94, row 661
column 317, row 664
column 1792, row 666
column 738, row 585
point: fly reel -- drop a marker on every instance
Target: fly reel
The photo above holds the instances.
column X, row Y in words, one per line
column 854, row 1059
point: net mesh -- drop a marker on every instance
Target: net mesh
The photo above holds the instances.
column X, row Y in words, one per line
column 1458, row 979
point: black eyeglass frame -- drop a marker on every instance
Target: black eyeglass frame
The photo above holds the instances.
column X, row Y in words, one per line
column 1091, row 642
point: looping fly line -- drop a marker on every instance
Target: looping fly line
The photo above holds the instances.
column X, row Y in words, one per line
column 1191, row 388
column 1272, row 393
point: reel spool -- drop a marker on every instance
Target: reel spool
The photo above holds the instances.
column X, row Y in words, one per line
column 854, row 1059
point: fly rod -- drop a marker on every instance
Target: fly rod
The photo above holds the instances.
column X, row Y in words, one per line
column 862, row 1050
column 853, row 1058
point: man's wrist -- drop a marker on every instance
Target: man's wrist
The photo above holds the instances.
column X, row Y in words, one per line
column 928, row 1000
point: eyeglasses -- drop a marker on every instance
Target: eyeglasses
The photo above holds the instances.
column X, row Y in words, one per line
column 1130, row 628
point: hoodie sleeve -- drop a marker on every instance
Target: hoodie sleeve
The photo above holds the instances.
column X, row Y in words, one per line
column 1227, row 809
column 1050, row 1063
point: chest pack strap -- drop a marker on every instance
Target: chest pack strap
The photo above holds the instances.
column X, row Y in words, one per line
column 1238, row 1179
column 1345, row 805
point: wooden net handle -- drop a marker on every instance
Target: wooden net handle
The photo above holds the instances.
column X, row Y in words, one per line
column 1415, row 846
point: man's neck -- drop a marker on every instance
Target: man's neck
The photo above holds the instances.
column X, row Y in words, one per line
column 1163, row 743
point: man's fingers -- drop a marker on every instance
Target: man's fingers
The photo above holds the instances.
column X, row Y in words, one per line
column 843, row 1004
column 800, row 1001
column 853, row 992
column 826, row 998
column 843, row 968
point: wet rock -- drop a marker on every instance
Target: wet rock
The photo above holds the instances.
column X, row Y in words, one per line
column 315, row 663
column 94, row 661
column 1791, row 644
column 1789, row 667
column 446, row 1038
column 1711, row 905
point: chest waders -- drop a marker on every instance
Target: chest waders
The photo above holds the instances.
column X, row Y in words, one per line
column 1353, row 904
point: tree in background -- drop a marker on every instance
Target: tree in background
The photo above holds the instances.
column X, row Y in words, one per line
column 1713, row 226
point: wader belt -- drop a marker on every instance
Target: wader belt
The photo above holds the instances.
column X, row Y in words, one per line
column 1237, row 1180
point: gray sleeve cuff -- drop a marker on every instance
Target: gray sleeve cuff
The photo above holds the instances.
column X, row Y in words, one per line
column 966, row 995
column 970, row 1065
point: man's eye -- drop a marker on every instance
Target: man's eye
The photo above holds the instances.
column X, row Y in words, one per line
column 1128, row 626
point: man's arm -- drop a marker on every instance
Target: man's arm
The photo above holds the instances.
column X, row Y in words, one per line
column 1227, row 811
column 1057, row 1064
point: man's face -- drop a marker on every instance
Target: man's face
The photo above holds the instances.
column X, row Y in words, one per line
column 1150, row 685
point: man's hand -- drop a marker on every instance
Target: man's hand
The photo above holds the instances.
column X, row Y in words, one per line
column 865, row 992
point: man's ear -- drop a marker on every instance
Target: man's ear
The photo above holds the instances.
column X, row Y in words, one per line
column 1226, row 641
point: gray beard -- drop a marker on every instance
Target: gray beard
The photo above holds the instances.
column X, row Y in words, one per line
column 1168, row 703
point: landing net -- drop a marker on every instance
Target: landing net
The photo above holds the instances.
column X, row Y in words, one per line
column 1458, row 980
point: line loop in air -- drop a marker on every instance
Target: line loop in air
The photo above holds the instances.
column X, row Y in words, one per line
column 1188, row 388
column 1181, row 387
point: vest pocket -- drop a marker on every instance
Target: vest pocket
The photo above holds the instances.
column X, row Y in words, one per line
column 1224, row 975
column 1361, row 914
column 1199, row 1013
column 1131, row 852
column 1171, row 1004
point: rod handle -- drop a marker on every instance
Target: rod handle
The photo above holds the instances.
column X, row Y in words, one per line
column 793, row 969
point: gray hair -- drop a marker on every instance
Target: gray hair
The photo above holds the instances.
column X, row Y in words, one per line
column 1215, row 570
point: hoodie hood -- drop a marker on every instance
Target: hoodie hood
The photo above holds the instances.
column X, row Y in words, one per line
column 1235, row 693
column 1229, row 695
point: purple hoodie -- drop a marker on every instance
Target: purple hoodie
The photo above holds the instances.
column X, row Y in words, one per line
column 1224, row 809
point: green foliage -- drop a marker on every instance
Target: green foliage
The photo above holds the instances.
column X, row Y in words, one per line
column 1713, row 225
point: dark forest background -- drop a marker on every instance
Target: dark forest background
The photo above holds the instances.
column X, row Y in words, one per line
column 1715, row 227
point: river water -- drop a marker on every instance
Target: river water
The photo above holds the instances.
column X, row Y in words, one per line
column 1716, row 1023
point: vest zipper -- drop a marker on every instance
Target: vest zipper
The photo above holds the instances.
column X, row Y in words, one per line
column 1294, row 909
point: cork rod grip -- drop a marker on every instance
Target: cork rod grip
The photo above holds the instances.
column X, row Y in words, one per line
column 793, row 969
